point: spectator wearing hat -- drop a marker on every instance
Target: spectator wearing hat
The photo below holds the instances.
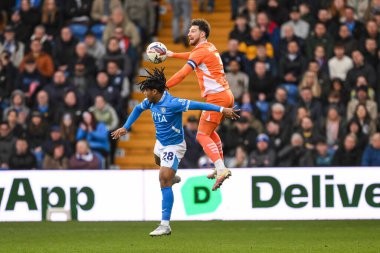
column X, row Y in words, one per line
column 348, row 153
column 55, row 138
column 30, row 80
column 84, row 158
column 295, row 154
column 7, row 142
column 242, row 134
column 10, row 44
column 340, row 64
column 237, row 79
column 371, row 155
column 301, row 27
column 45, row 64
column 57, row 161
column 194, row 149
column 362, row 98
column 263, row 156
column 22, row 158
column 37, row 133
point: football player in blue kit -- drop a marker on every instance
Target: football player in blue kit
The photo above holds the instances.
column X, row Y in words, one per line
column 170, row 145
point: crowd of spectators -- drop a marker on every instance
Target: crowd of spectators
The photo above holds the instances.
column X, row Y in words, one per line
column 306, row 76
column 66, row 69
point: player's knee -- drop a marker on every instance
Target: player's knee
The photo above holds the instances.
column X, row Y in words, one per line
column 200, row 136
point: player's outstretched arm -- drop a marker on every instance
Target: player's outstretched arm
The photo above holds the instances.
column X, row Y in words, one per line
column 227, row 112
column 131, row 119
column 184, row 55
column 179, row 76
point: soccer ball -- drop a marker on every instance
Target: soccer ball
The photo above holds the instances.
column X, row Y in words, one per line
column 156, row 52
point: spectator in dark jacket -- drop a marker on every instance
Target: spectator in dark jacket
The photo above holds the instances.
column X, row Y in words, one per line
column 261, row 82
column 241, row 29
column 84, row 158
column 295, row 154
column 292, row 65
column 7, row 142
column 58, row 88
column 263, row 156
column 194, row 149
column 30, row 80
column 64, row 49
column 371, row 155
column 233, row 54
column 22, row 158
column 43, row 106
column 360, row 69
column 81, row 57
column 55, row 139
column 348, row 154
column 310, row 103
column 346, row 39
column 25, row 20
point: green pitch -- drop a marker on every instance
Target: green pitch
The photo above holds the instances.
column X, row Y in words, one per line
column 208, row 236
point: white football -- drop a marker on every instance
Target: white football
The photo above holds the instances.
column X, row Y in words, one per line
column 156, row 52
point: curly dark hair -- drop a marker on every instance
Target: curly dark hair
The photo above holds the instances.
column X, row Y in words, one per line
column 154, row 80
column 203, row 25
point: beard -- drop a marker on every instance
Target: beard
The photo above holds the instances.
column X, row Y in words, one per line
column 194, row 42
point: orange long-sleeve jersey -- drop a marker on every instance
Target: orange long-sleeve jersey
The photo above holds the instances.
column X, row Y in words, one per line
column 206, row 62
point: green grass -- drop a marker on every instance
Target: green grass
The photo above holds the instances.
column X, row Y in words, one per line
column 207, row 236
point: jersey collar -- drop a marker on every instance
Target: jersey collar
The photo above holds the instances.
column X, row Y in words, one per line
column 163, row 97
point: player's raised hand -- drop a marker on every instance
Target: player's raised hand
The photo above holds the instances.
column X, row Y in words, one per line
column 230, row 113
column 169, row 53
column 118, row 133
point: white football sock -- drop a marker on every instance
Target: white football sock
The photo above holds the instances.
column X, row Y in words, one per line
column 165, row 222
column 219, row 164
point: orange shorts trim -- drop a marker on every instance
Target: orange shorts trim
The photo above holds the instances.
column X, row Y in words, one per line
column 209, row 119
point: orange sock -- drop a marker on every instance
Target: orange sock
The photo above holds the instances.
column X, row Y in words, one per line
column 209, row 147
column 215, row 137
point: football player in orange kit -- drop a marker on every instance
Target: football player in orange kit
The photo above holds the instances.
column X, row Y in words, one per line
column 206, row 62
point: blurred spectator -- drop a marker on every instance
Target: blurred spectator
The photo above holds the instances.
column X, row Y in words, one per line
column 40, row 34
column 95, row 133
column 209, row 7
column 319, row 37
column 118, row 80
column 43, row 60
column 310, row 103
column 354, row 127
column 362, row 98
column 276, row 11
column 83, row 60
column 57, row 161
column 320, row 58
column 372, row 10
column 362, row 116
column 7, row 142
column 340, row 64
column 17, row 103
column 22, row 158
column 306, row 14
column 37, row 133
column 55, row 138
column 68, row 128
column 84, row 158
column 292, row 65
column 270, row 64
column 323, row 158
column 30, row 79
column 181, row 9
column 334, row 100
column 33, row 3
column 281, row 97
column 295, row 154
column 301, row 28
column 301, row 112
column 322, row 74
column 247, row 111
column 142, row 14
column 118, row 19
column 360, row 68
column 100, row 14
column 263, row 156
column 58, row 88
column 8, row 74
column 250, row 45
column 240, row 160
column 233, row 54
column 362, row 81
column 337, row 9
column 309, row 133
column 278, row 126
column 10, row 44
column 24, row 20
column 348, row 154
column 64, row 49
column 51, row 18
column 333, row 128
column 288, row 37
column 44, row 107
column 126, row 46
column 110, row 93
column 346, row 39
column 355, row 26
column 237, row 80
column 194, row 149
column 371, row 155
column 324, row 17
column 310, row 80
column 250, row 12
column 371, row 32
column 242, row 134
column 77, row 12
column 94, row 47
column 105, row 113
column 261, row 82
column 241, row 29
column 114, row 53
column 16, row 125
column 370, row 52
column 71, row 104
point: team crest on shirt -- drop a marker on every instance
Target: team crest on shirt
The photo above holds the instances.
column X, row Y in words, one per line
column 163, row 109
